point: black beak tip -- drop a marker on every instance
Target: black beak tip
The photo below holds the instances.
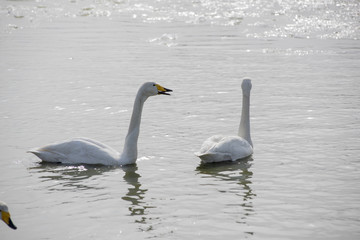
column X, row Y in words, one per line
column 165, row 92
column 11, row 224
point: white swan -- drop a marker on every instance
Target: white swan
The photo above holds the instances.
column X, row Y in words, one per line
column 88, row 151
column 5, row 215
column 219, row 148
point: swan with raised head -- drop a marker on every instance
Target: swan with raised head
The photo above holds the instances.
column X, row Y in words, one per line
column 5, row 215
column 88, row 151
column 230, row 148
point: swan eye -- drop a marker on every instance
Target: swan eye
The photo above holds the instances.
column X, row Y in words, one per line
column 154, row 85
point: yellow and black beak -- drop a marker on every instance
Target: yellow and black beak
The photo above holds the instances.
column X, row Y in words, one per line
column 5, row 216
column 162, row 90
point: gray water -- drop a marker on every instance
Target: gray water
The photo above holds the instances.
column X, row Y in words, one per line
column 72, row 68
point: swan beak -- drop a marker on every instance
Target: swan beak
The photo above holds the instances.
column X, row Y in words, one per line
column 5, row 216
column 162, row 90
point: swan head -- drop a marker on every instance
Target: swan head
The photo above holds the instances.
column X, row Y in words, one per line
column 152, row 89
column 5, row 215
column 246, row 87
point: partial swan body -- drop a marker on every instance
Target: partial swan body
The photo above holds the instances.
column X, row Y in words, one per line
column 88, row 151
column 230, row 148
column 5, row 215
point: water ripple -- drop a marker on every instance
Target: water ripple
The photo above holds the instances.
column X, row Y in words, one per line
column 259, row 19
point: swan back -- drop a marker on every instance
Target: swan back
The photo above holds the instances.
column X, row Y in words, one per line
column 78, row 151
column 219, row 148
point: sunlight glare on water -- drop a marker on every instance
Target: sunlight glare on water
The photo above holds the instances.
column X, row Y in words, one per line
column 72, row 69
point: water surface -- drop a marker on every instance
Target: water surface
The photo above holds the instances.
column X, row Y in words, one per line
column 72, row 68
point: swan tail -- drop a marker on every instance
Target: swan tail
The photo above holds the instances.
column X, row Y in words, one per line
column 48, row 156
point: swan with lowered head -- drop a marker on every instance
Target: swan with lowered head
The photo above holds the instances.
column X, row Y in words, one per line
column 88, row 151
column 230, row 148
column 5, row 215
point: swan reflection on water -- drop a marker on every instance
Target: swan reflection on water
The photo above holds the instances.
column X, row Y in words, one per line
column 228, row 170
column 237, row 172
column 68, row 177
column 135, row 196
column 73, row 178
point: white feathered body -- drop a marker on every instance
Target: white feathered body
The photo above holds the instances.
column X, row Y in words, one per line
column 230, row 148
column 88, row 151
column 78, row 151
column 219, row 148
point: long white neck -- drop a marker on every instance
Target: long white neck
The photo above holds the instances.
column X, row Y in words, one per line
column 129, row 154
column 244, row 128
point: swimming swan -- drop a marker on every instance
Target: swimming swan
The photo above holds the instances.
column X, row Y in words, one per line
column 88, row 151
column 5, row 215
column 219, row 148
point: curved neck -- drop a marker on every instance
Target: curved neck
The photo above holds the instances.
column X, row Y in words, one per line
column 129, row 154
column 244, row 128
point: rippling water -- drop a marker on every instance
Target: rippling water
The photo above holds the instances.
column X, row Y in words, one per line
column 72, row 68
